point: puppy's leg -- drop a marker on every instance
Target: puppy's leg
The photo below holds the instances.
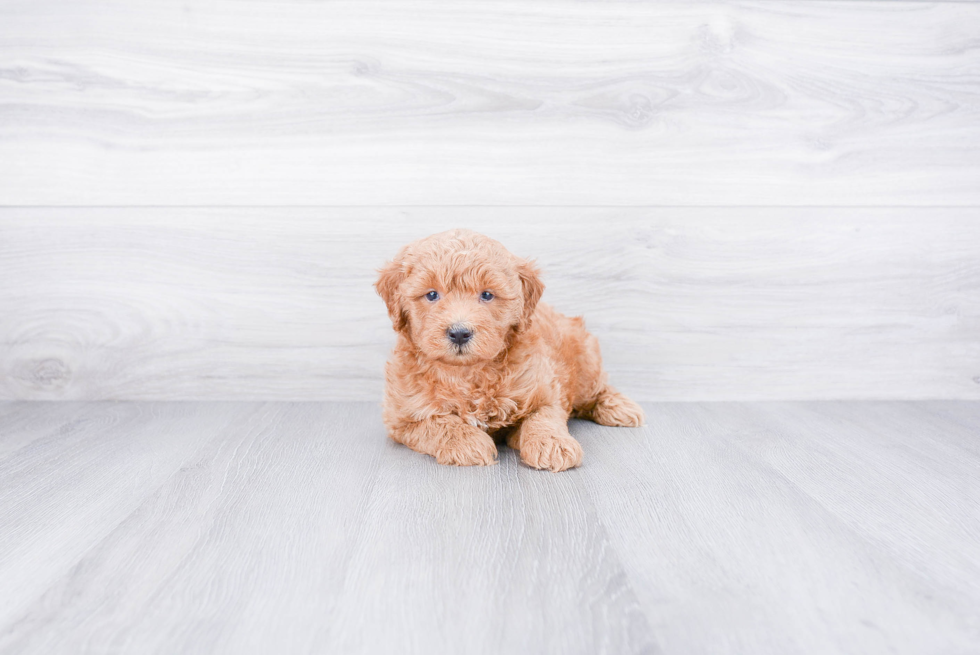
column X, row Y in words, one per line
column 615, row 409
column 544, row 442
column 449, row 440
column 593, row 398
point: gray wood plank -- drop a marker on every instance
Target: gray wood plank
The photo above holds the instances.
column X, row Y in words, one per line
column 21, row 424
column 688, row 303
column 964, row 414
column 907, row 480
column 490, row 560
column 285, row 534
column 784, row 529
column 433, row 102
column 62, row 494
column 297, row 527
column 242, row 550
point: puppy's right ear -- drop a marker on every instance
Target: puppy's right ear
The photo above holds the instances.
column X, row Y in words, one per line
column 532, row 287
column 390, row 278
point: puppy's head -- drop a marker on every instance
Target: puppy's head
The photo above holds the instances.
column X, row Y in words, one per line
column 458, row 296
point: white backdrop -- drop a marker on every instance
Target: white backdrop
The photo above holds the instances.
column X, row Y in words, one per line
column 689, row 303
column 746, row 200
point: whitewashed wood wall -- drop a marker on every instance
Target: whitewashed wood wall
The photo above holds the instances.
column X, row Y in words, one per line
column 746, row 200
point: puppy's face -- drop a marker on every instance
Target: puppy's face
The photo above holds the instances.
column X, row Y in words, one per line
column 461, row 316
column 458, row 296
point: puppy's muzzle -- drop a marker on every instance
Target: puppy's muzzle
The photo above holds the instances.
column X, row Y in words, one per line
column 459, row 334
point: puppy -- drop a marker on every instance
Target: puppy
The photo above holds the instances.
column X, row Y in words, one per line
column 479, row 357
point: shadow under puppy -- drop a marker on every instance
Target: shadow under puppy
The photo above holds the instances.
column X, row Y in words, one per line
column 479, row 357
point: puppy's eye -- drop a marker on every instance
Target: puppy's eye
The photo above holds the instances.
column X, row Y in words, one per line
column 486, row 296
column 432, row 296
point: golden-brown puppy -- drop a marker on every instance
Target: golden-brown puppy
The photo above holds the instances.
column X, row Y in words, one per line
column 478, row 356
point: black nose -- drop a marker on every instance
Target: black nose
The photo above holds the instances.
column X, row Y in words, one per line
column 459, row 334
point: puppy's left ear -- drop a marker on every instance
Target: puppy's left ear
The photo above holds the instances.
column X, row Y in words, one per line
column 389, row 279
column 532, row 288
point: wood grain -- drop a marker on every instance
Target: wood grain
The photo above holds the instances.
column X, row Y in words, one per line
column 238, row 552
column 298, row 527
column 64, row 491
column 688, row 303
column 500, row 103
column 806, row 528
column 495, row 560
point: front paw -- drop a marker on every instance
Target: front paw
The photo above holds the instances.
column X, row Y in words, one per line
column 467, row 446
column 552, row 453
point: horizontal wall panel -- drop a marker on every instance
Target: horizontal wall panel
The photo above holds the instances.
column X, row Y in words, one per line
column 688, row 303
column 489, row 103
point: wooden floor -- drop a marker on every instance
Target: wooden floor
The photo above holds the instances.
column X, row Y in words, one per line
column 298, row 527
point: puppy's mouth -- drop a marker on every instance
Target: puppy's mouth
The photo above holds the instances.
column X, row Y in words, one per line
column 459, row 355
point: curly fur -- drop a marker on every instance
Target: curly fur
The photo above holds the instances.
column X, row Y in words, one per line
column 525, row 370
